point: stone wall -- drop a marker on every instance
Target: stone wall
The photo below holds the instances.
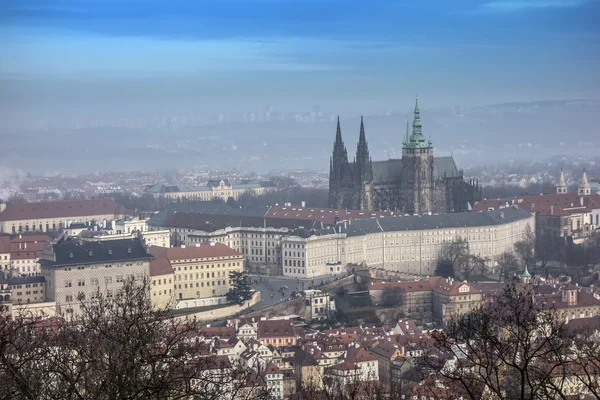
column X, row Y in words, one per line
column 223, row 312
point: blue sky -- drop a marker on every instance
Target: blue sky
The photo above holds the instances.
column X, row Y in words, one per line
column 352, row 53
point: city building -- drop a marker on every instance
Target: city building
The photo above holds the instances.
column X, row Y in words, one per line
column 160, row 238
column 19, row 254
column 214, row 189
column 562, row 214
column 201, row 272
column 417, row 183
column 51, row 216
column 409, row 244
column 432, row 299
column 276, row 332
column 27, row 289
column 77, row 270
column 320, row 305
column 162, row 279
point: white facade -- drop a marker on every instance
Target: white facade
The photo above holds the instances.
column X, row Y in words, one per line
column 258, row 245
column 409, row 251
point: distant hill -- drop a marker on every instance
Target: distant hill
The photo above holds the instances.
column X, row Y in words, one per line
column 471, row 134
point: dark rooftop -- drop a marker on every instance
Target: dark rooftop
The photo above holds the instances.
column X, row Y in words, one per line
column 23, row 280
column 74, row 252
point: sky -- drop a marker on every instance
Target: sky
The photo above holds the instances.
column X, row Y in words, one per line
column 127, row 57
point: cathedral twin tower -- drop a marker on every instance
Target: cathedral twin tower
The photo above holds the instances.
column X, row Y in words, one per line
column 417, row 183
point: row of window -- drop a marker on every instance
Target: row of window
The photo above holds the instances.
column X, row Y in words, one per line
column 292, row 263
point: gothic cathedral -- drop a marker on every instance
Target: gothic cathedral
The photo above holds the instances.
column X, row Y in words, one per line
column 417, row 183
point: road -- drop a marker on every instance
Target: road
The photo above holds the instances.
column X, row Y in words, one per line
column 270, row 285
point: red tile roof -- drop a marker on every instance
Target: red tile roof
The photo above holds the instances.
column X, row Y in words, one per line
column 201, row 250
column 275, row 328
column 160, row 266
column 408, row 286
column 558, row 204
column 60, row 209
column 272, row 369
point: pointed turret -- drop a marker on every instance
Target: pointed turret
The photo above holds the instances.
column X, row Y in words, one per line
column 417, row 140
column 526, row 276
column 584, row 186
column 362, row 164
column 361, row 137
column 406, row 136
column 338, row 134
column 562, row 183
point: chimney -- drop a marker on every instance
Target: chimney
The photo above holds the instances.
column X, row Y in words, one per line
column 303, row 203
column 581, row 201
column 551, row 210
column 2, row 207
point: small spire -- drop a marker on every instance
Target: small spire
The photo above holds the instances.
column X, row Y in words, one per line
column 338, row 134
column 407, row 131
column 584, row 179
column 362, row 138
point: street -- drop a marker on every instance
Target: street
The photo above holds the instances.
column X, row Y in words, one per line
column 269, row 287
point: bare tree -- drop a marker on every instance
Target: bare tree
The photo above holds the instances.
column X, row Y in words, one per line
column 115, row 348
column 525, row 248
column 514, row 347
column 454, row 254
column 508, row 266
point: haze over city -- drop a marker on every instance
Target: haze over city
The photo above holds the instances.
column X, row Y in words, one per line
column 300, row 199
column 152, row 74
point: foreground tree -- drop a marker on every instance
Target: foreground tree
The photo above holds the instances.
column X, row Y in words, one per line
column 514, row 347
column 508, row 266
column 525, row 248
column 240, row 291
column 444, row 268
column 114, row 348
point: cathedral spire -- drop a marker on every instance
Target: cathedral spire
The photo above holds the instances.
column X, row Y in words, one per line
column 338, row 134
column 361, row 138
column 362, row 165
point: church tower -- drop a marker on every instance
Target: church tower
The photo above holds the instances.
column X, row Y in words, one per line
column 340, row 176
column 362, row 167
column 562, row 184
column 363, row 171
column 417, row 171
column 584, row 186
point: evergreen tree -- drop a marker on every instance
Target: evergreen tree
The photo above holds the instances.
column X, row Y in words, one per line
column 241, row 290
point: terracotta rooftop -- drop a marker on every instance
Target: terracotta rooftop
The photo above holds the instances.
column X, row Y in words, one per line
column 202, row 250
column 60, row 209
column 276, row 328
column 558, row 204
column 160, row 266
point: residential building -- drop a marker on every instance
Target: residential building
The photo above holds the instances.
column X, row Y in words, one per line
column 434, row 298
column 130, row 225
column 19, row 255
column 276, row 332
column 77, row 270
column 408, row 244
column 162, row 279
column 320, row 304
column 49, row 216
column 27, row 289
column 385, row 352
column 274, row 379
column 201, row 272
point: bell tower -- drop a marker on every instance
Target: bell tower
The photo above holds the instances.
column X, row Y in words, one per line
column 562, row 183
column 417, row 171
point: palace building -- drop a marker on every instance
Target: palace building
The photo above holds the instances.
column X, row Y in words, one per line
column 417, row 183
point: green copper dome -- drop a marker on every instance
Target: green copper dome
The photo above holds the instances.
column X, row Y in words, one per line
column 526, row 273
column 416, row 139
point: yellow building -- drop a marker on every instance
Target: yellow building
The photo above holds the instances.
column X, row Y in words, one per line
column 214, row 189
column 162, row 289
column 201, row 271
column 49, row 216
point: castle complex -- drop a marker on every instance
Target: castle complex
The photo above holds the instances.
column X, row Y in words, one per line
column 417, row 183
